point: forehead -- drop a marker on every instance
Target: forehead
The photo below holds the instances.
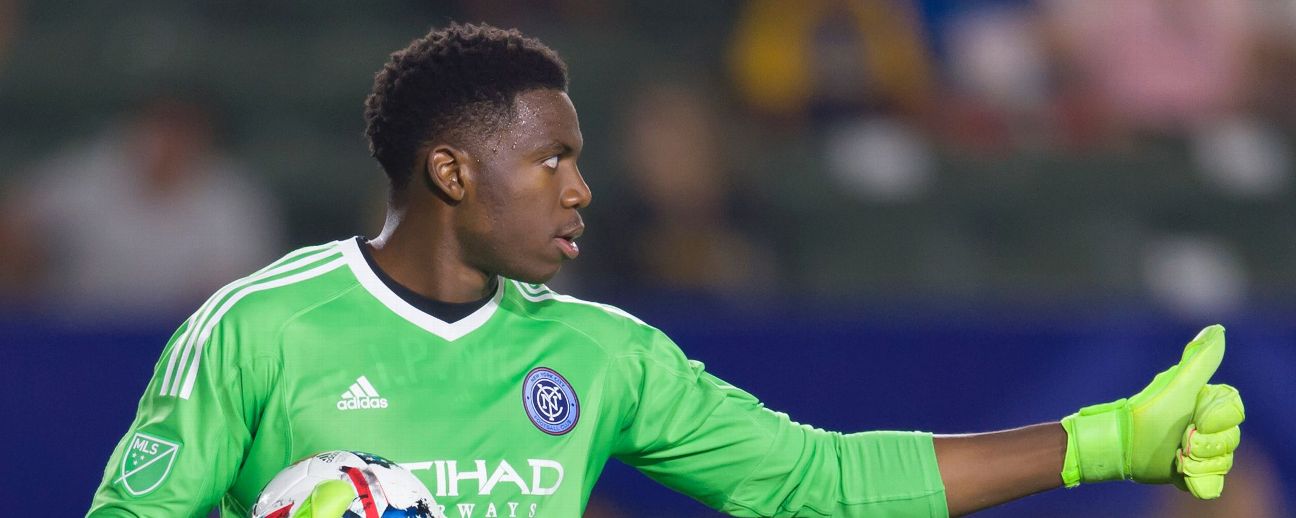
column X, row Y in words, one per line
column 541, row 116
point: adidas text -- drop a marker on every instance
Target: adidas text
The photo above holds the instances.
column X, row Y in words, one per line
column 358, row 403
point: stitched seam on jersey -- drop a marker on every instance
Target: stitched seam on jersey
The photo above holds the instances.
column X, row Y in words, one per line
column 610, row 372
column 764, row 458
column 180, row 354
column 729, row 498
column 686, row 375
column 548, row 294
column 531, row 313
column 207, row 327
column 181, row 351
column 241, row 509
column 185, row 344
column 233, row 299
column 760, row 512
column 283, row 365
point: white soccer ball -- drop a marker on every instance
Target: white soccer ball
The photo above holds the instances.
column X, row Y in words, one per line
column 355, row 484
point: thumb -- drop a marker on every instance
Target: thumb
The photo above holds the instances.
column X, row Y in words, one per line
column 327, row 499
column 1201, row 357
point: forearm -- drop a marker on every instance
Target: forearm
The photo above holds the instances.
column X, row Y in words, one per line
column 987, row 469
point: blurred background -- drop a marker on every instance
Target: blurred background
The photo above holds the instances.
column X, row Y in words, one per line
column 944, row 215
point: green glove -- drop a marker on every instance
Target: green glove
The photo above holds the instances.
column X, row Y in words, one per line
column 1178, row 429
column 329, row 499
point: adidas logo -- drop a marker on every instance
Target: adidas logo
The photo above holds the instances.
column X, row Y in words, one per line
column 361, row 395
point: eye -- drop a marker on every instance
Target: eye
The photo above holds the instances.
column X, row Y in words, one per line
column 551, row 162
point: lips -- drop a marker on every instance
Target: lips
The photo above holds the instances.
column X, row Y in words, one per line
column 566, row 239
column 568, row 247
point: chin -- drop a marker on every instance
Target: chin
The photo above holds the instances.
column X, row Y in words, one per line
column 535, row 275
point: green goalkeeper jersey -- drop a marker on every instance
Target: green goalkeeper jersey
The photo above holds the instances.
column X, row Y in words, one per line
column 511, row 411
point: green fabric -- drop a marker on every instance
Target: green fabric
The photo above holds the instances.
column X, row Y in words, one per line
column 275, row 376
column 1177, row 430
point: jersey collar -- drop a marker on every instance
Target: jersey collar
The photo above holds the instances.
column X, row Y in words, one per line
column 448, row 331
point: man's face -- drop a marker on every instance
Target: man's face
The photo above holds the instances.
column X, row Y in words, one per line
column 520, row 211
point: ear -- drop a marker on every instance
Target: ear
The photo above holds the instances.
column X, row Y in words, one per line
column 446, row 171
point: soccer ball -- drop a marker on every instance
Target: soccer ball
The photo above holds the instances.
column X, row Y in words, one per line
column 345, row 484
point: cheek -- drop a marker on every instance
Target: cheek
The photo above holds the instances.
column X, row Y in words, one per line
column 510, row 221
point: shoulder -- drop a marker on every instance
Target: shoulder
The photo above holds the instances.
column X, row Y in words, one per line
column 263, row 300
column 239, row 323
column 604, row 323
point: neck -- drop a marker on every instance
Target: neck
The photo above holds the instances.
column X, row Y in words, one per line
column 419, row 252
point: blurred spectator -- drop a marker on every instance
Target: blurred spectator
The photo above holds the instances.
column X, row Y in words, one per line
column 1273, row 69
column 858, row 72
column 827, row 59
column 1158, row 64
column 685, row 229
column 999, row 89
column 1183, row 67
column 146, row 219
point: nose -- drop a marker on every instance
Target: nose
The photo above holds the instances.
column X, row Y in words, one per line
column 576, row 193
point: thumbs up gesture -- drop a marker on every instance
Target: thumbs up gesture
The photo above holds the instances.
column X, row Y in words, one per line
column 1179, row 429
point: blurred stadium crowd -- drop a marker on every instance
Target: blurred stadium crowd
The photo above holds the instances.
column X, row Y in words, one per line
column 934, row 149
column 927, row 151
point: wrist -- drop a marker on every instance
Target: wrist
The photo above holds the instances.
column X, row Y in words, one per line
column 1096, row 444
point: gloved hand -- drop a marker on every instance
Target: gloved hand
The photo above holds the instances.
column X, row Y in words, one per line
column 329, row 499
column 1179, row 429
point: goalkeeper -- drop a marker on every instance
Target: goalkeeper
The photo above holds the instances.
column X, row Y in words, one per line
column 434, row 345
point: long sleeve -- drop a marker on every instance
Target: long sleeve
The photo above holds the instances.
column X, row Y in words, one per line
column 194, row 425
column 703, row 437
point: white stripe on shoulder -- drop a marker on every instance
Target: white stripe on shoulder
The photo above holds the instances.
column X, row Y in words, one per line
column 540, row 293
column 295, row 254
column 184, row 344
column 176, row 346
column 248, row 290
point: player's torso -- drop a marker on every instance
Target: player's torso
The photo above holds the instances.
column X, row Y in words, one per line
column 504, row 421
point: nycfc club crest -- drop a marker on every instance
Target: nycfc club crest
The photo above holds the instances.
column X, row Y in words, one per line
column 550, row 401
column 146, row 463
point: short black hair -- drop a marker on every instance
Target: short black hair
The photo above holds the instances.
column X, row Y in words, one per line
column 457, row 83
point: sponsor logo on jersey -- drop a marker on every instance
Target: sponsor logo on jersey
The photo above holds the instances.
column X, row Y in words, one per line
column 550, row 402
column 459, row 482
column 361, row 395
column 146, row 462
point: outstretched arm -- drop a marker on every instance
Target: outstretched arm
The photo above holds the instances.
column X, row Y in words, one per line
column 987, row 469
column 1178, row 429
